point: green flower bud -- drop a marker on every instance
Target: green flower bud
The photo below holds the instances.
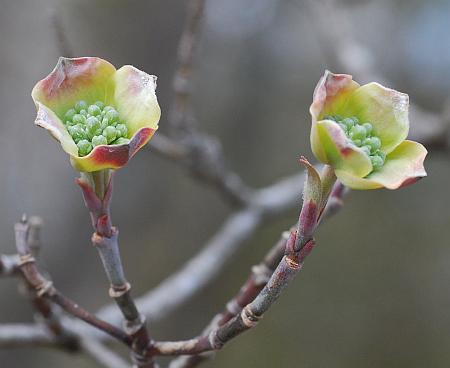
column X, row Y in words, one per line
column 357, row 142
column 368, row 128
column 94, row 110
column 84, row 147
column 91, row 122
column 349, row 122
column 121, row 140
column 377, row 161
column 93, row 127
column 381, row 154
column 100, row 104
column 69, row 114
column 81, row 105
column 78, row 119
column 357, row 132
column 373, row 142
column 122, row 130
column 77, row 132
column 112, row 115
column 110, row 133
column 99, row 140
column 108, row 108
column 84, row 113
column 104, row 123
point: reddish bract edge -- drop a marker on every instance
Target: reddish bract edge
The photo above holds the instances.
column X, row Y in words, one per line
column 67, row 73
column 118, row 156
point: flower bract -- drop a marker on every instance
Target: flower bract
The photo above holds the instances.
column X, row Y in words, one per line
column 100, row 115
column 361, row 132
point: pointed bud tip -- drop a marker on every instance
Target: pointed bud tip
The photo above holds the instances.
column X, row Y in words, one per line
column 304, row 161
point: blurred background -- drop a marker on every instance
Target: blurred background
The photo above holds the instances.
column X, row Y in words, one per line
column 374, row 293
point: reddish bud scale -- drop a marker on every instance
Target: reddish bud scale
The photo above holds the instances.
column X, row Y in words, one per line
column 98, row 208
column 308, row 219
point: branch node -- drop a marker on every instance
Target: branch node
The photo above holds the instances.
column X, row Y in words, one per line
column 293, row 263
column 118, row 291
column 132, row 327
column 26, row 258
column 45, row 288
column 99, row 240
column 249, row 318
column 140, row 360
column 214, row 340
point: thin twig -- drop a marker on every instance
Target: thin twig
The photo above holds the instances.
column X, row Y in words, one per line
column 258, row 278
column 203, row 268
column 97, row 193
column 298, row 247
column 197, row 272
column 28, row 239
column 180, row 112
column 45, row 289
column 256, row 281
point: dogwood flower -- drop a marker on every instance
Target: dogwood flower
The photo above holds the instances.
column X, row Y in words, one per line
column 101, row 116
column 361, row 132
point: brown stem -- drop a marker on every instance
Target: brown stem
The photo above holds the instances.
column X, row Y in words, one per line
column 97, row 193
column 250, row 314
column 252, row 286
column 256, row 281
column 28, row 238
column 45, row 291
column 75, row 310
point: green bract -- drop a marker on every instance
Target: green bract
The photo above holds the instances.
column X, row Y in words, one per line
column 100, row 115
column 361, row 130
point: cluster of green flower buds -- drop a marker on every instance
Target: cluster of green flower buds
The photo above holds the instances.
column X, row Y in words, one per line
column 94, row 125
column 361, row 135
